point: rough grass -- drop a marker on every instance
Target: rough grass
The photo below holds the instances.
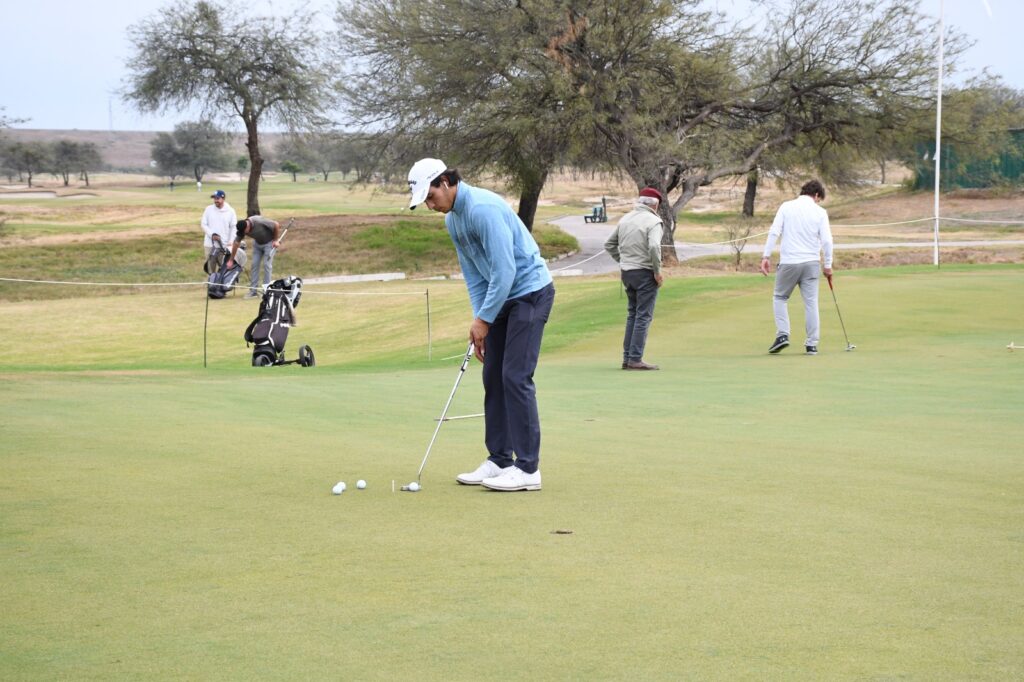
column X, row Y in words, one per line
column 321, row 245
column 734, row 516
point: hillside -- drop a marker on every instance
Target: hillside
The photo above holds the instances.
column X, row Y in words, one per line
column 124, row 150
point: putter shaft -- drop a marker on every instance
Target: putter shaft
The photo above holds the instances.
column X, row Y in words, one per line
column 849, row 346
column 441, row 419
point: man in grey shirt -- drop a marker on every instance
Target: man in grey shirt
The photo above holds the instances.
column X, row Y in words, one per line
column 266, row 235
column 636, row 247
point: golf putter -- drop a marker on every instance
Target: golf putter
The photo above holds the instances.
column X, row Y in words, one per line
column 291, row 221
column 849, row 346
column 444, row 412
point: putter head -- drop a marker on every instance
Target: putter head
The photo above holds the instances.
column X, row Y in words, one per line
column 850, row 347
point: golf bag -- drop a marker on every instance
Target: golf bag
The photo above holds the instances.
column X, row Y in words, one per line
column 269, row 331
column 222, row 279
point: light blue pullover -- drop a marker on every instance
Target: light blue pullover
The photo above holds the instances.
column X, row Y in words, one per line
column 499, row 258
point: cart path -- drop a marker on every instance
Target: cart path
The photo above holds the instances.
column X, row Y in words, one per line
column 591, row 238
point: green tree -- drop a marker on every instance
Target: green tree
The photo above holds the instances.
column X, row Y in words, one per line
column 64, row 159
column 977, row 140
column 217, row 55
column 321, row 151
column 471, row 81
column 291, row 167
column 681, row 104
column 170, row 159
column 30, row 158
column 357, row 152
column 241, row 165
column 204, row 145
column 7, row 165
column 89, row 158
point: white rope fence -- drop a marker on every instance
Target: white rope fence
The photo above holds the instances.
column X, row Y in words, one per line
column 206, row 284
column 893, row 224
column 985, row 222
column 730, row 241
column 576, row 265
column 901, row 222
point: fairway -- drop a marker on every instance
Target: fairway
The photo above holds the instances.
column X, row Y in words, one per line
column 734, row 516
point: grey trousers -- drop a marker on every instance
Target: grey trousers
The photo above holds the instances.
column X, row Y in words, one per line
column 641, row 293
column 261, row 254
column 807, row 276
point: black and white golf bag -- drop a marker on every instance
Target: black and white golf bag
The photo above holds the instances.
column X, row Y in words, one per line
column 269, row 331
column 222, row 279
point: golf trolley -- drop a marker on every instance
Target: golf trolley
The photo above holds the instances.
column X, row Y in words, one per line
column 269, row 331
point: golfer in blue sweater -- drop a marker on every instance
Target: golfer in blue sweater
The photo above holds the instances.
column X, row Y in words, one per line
column 511, row 293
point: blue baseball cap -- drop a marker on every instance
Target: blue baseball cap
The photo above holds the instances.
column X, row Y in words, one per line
column 219, row 194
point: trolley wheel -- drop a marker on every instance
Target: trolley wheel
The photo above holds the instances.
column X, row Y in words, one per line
column 262, row 360
column 306, row 358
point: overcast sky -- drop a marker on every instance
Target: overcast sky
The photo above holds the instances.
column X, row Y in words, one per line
column 66, row 59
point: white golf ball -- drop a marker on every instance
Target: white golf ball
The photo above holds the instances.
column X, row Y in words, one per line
column 360, row 484
column 338, row 488
column 414, row 486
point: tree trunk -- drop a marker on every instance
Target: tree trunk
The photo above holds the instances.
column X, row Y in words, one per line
column 252, row 199
column 668, row 232
column 66, row 177
column 881, row 165
column 529, row 198
column 750, row 194
column 86, row 175
column 30, row 179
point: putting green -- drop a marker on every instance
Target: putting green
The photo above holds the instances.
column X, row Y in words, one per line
column 734, row 516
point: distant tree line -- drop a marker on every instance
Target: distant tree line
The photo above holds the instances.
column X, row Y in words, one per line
column 194, row 148
column 61, row 158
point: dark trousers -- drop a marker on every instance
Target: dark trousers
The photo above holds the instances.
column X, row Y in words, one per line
column 641, row 292
column 511, row 350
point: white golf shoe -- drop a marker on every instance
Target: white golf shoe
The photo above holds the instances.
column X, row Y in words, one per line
column 486, row 470
column 512, row 479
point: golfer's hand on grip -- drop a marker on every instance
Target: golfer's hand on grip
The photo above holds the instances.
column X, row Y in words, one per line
column 477, row 333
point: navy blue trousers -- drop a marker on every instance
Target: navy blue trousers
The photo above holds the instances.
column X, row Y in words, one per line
column 512, row 348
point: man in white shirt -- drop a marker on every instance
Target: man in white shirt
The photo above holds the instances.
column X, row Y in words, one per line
column 802, row 226
column 218, row 219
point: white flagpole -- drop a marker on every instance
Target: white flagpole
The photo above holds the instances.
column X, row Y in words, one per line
column 938, row 129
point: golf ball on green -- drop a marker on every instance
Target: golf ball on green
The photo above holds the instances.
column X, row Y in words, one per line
column 414, row 486
column 360, row 484
column 338, row 488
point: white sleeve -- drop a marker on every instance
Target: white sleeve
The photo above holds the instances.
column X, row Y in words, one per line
column 774, row 233
column 208, row 229
column 825, row 235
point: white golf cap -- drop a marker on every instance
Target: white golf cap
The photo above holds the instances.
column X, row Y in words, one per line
column 422, row 173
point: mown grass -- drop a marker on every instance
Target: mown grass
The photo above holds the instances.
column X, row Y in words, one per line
column 734, row 516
